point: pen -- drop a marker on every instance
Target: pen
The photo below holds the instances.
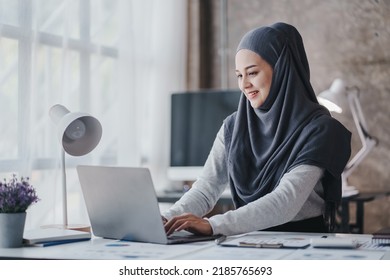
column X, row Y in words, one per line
column 221, row 239
column 260, row 245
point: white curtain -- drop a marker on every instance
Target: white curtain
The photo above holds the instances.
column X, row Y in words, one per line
column 118, row 60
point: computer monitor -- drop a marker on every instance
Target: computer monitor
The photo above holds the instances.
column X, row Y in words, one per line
column 196, row 118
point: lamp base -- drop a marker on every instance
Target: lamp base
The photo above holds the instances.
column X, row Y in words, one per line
column 79, row 227
column 349, row 191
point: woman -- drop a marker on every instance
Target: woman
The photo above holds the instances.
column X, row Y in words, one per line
column 281, row 153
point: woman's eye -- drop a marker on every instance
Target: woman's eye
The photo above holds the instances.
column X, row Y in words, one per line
column 252, row 73
column 239, row 76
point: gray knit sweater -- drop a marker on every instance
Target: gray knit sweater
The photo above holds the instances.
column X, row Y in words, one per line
column 298, row 196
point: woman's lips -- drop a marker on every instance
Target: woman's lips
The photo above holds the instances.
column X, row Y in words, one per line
column 252, row 94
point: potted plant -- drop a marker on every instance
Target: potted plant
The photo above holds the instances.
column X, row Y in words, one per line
column 15, row 197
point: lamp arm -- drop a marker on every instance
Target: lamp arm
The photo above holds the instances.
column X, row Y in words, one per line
column 368, row 142
column 64, row 192
column 357, row 113
column 368, row 145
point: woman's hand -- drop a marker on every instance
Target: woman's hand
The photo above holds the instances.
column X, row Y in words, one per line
column 165, row 220
column 189, row 222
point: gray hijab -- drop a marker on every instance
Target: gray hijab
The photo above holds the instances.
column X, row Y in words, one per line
column 288, row 130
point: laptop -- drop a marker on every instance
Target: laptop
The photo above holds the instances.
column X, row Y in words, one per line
column 122, row 204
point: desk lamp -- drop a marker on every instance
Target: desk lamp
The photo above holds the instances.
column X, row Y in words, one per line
column 79, row 133
column 339, row 98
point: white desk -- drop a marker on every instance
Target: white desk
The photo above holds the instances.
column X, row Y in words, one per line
column 98, row 248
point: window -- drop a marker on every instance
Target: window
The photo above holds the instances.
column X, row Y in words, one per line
column 90, row 56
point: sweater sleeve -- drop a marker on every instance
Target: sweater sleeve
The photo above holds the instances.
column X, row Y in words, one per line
column 293, row 199
column 207, row 189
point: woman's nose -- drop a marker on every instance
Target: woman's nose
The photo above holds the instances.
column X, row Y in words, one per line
column 245, row 82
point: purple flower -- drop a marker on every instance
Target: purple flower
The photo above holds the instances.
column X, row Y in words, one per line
column 15, row 196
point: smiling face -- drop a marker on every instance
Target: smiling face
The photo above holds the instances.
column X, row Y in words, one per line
column 254, row 76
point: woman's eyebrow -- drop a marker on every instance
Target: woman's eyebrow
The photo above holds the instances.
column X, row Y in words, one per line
column 248, row 67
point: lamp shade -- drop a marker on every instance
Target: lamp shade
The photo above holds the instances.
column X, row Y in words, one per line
column 335, row 98
column 79, row 133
